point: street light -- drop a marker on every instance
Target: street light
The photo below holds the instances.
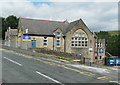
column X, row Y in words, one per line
column 26, row 39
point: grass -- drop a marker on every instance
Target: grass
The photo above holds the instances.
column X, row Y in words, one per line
column 113, row 32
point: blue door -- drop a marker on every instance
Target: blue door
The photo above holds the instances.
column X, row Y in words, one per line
column 34, row 43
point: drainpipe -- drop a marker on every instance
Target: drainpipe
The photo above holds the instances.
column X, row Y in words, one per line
column 64, row 44
column 53, row 42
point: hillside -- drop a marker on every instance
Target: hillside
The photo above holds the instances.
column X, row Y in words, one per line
column 112, row 33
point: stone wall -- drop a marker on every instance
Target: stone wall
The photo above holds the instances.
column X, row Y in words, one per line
column 58, row 53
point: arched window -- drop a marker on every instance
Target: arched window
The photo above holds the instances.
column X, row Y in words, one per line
column 79, row 39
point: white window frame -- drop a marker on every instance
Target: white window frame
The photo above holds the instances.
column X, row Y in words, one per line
column 75, row 42
column 99, row 44
column 45, row 42
column 59, row 41
column 57, row 34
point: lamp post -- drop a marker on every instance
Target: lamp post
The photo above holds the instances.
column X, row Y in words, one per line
column 26, row 39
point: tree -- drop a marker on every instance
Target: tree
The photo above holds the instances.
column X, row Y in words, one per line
column 113, row 46
column 10, row 21
column 103, row 35
column 2, row 27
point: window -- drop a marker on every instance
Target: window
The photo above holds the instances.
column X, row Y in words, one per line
column 85, row 43
column 58, row 41
column 82, row 35
column 79, row 34
column 58, row 38
column 100, row 57
column 79, row 42
column 58, row 33
column 99, row 44
column 96, row 57
column 45, row 41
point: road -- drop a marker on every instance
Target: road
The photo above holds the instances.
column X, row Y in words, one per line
column 19, row 68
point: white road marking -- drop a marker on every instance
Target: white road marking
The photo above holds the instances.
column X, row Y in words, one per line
column 49, row 78
column 13, row 61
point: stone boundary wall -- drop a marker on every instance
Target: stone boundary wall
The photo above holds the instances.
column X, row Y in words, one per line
column 58, row 53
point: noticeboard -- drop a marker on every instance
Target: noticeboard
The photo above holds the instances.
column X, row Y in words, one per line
column 113, row 61
column 26, row 38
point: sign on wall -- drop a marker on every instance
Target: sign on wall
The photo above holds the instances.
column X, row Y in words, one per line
column 101, row 50
column 26, row 38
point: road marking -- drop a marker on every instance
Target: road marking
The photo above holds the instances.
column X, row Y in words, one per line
column 84, row 73
column 59, row 65
column 115, row 82
column 13, row 61
column 49, row 78
column 104, row 78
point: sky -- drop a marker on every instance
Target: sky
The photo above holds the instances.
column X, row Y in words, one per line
column 98, row 15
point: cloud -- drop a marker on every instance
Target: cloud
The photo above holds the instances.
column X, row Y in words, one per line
column 97, row 15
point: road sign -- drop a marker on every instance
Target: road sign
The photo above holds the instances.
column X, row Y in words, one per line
column 101, row 50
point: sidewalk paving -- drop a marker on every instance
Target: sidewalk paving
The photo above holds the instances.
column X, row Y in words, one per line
column 96, row 68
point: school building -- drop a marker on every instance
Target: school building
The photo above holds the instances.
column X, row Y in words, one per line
column 71, row 37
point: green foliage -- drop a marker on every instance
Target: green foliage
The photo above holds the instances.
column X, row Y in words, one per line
column 113, row 45
column 10, row 21
column 103, row 35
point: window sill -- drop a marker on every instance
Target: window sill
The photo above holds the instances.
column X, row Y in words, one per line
column 58, row 46
column 44, row 46
column 79, row 47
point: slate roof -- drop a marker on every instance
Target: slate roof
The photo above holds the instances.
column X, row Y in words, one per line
column 43, row 27
column 47, row 27
column 71, row 25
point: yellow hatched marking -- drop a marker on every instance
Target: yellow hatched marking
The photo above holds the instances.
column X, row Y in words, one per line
column 115, row 82
column 104, row 78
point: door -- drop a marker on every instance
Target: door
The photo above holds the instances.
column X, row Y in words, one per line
column 34, row 43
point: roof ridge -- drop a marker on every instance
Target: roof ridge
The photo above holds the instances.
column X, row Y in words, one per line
column 44, row 20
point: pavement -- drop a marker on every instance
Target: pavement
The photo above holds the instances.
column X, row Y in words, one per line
column 22, row 68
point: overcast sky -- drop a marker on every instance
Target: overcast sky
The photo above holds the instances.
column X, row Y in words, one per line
column 98, row 16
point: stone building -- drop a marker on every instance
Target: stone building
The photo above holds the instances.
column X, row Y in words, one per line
column 11, row 37
column 74, row 37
